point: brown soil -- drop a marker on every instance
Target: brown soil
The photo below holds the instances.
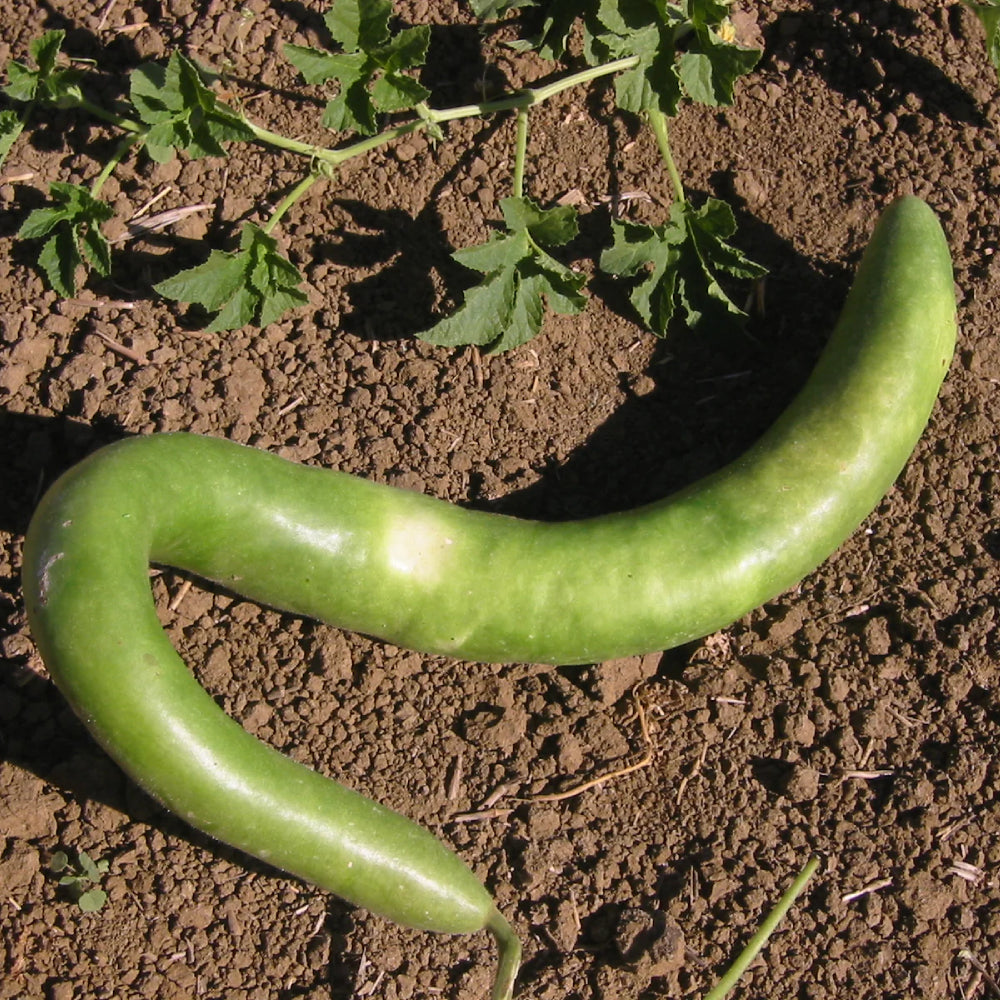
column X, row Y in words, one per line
column 856, row 717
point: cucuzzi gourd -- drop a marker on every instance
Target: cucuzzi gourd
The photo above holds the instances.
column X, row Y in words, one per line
column 422, row 573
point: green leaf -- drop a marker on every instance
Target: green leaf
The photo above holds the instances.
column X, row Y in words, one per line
column 210, row 285
column 96, row 250
column 182, row 112
column 497, row 253
column 551, row 227
column 252, row 285
column 560, row 15
column 59, row 861
column 680, row 264
column 45, row 50
column 47, row 81
column 507, row 308
column 59, row 258
column 11, row 126
column 562, row 285
column 351, row 110
column 483, row 315
column 359, row 24
column 319, row 67
column 368, row 73
column 490, row 10
column 39, row 222
column 989, row 16
column 407, row 49
column 92, row 900
column 74, row 224
column 87, row 866
column 22, row 82
column 709, row 76
column 395, row 92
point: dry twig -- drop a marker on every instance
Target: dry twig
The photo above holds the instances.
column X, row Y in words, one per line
column 586, row 786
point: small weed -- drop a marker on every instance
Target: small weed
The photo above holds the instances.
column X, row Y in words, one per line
column 82, row 880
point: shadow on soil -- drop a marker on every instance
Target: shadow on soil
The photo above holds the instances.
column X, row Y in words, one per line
column 870, row 67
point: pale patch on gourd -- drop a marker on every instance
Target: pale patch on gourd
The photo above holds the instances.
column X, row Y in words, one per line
column 330, row 540
column 43, row 577
column 416, row 547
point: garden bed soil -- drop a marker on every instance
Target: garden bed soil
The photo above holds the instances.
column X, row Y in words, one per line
column 855, row 717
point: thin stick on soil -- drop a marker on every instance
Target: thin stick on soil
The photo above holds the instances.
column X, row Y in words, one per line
column 644, row 761
column 768, row 926
column 121, row 349
column 882, row 883
column 180, row 595
column 480, row 816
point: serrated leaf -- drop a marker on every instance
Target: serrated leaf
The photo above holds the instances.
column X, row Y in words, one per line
column 320, row 67
column 525, row 320
column 562, row 286
column 47, row 81
column 238, row 312
column 11, row 126
column 359, row 24
column 497, row 253
column 710, row 76
column 73, row 225
column 45, row 50
column 182, row 112
column 22, row 82
column 351, row 110
column 407, row 49
column 210, row 284
column 560, row 15
column 680, row 263
column 279, row 302
column 39, row 222
column 96, row 250
column 483, row 315
column 253, row 284
column 147, row 92
column 548, row 226
column 507, row 308
column 59, row 258
column 395, row 92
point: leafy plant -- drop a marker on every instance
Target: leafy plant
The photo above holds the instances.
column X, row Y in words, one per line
column 72, row 225
column 369, row 69
column 506, row 309
column 81, row 880
column 680, row 262
column 181, row 112
column 253, row 285
column 659, row 56
column 46, row 81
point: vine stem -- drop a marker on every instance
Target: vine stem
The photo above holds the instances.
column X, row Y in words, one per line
column 521, row 100
column 520, row 151
column 768, row 925
column 291, row 198
column 116, row 157
column 658, row 123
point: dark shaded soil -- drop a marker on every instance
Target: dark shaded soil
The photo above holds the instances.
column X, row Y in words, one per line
column 856, row 717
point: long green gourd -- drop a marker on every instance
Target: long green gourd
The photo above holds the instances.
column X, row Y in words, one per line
column 428, row 575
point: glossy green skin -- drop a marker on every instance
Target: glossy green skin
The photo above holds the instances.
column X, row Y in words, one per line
column 431, row 576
